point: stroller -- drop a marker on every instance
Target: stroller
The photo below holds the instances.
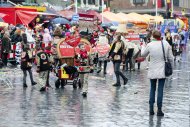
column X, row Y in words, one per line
column 68, row 67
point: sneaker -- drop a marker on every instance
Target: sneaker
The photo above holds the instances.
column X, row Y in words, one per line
column 84, row 94
column 125, row 81
column 34, row 83
column 25, row 85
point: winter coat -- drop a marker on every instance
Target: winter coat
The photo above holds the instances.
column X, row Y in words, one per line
column 6, row 45
column 16, row 38
column 26, row 60
column 157, row 64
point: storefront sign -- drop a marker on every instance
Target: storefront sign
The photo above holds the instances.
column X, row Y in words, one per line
column 133, row 36
column 86, row 17
column 66, row 50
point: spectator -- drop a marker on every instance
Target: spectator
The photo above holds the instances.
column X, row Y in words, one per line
column 26, row 65
column 156, row 71
column 103, row 40
column 6, row 47
column 116, row 54
column 16, row 36
column 47, row 37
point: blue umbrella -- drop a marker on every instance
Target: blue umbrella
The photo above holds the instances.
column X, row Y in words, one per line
column 1, row 20
column 60, row 21
column 106, row 24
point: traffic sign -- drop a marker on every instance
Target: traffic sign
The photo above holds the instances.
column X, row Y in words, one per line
column 75, row 17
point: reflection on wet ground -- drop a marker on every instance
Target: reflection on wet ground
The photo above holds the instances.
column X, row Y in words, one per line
column 105, row 106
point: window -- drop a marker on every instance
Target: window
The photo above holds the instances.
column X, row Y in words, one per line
column 138, row 1
column 176, row 3
column 17, row 0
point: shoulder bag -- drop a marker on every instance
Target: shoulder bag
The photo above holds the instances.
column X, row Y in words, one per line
column 168, row 66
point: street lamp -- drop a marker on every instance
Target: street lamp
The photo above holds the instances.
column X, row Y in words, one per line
column 156, row 12
column 102, row 11
column 172, row 3
column 76, row 7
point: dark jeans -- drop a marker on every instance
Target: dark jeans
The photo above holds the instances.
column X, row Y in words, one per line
column 25, row 75
column 47, row 81
column 129, row 58
column 105, row 65
column 139, row 65
column 117, row 71
column 4, row 58
column 160, row 92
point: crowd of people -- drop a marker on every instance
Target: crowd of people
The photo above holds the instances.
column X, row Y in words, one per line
column 121, row 51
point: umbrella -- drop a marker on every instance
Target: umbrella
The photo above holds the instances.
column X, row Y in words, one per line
column 1, row 20
column 106, row 24
column 113, row 27
column 60, row 21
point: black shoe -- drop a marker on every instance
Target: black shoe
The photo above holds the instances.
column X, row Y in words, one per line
column 24, row 85
column 34, row 83
column 84, row 94
column 125, row 81
column 105, row 72
column 98, row 71
column 151, row 113
column 160, row 113
column 116, row 84
column 43, row 89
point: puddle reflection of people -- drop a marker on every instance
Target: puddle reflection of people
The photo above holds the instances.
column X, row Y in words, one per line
column 158, row 122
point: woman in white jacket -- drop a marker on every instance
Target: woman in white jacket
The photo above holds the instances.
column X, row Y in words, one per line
column 156, row 72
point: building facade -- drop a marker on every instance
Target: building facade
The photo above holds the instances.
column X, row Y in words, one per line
column 140, row 6
column 184, row 3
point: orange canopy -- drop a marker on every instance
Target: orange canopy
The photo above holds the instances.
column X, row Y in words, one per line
column 113, row 17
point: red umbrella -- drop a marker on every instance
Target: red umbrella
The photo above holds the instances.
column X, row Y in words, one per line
column 2, row 15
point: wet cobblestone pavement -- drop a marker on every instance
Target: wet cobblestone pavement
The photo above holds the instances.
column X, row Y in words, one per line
column 105, row 106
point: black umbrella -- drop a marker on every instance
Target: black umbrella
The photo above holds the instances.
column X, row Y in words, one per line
column 60, row 21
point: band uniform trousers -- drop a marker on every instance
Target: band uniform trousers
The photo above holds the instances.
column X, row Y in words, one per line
column 84, row 81
column 43, row 75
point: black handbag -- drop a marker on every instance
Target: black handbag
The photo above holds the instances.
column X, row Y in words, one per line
column 168, row 66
